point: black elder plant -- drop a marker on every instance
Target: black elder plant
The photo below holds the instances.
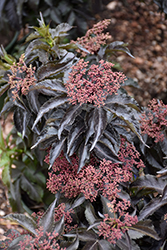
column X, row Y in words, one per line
column 70, row 100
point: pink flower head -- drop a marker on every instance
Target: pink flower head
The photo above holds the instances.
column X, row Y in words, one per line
column 92, row 84
column 18, row 82
column 154, row 120
column 94, row 38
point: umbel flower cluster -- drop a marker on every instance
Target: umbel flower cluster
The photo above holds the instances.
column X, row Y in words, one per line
column 154, row 120
column 92, row 84
column 94, row 38
column 22, row 77
column 99, row 178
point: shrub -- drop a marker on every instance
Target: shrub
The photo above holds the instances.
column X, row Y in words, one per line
column 109, row 180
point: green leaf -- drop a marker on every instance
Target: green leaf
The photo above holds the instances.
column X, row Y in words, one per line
column 52, row 103
column 146, row 228
column 6, row 173
column 69, row 118
column 2, row 141
column 47, row 219
column 34, row 191
column 27, row 222
column 4, row 88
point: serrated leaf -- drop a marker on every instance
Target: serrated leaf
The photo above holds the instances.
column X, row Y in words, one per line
column 104, row 245
column 50, row 69
column 106, row 208
column 56, row 150
column 58, row 226
column 61, row 30
column 146, row 228
column 123, row 99
column 6, row 108
column 106, row 142
column 118, row 46
column 100, row 121
column 91, row 245
column 128, row 115
column 21, row 119
column 90, row 124
column 74, row 245
column 150, row 182
column 77, row 129
column 113, row 136
column 52, row 103
column 37, row 43
column 47, row 133
column 151, row 207
column 124, row 245
column 103, row 152
column 27, row 222
column 54, row 84
column 84, row 155
column 47, row 219
column 90, row 214
column 32, row 98
column 78, row 201
column 14, row 245
column 83, row 235
column 69, row 118
column 75, row 146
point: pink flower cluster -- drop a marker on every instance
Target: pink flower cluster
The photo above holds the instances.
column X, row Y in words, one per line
column 60, row 210
column 17, row 82
column 94, row 38
column 95, row 178
column 92, row 84
column 99, row 178
column 65, row 178
column 112, row 228
column 154, row 120
column 42, row 241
